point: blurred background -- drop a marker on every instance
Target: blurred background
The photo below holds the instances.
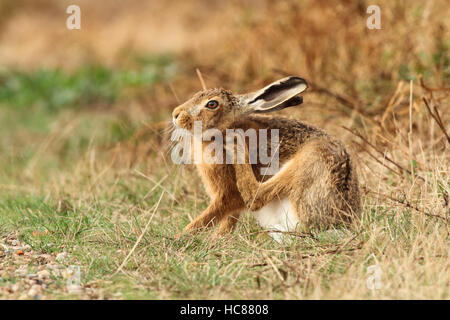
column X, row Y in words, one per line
column 84, row 113
column 132, row 62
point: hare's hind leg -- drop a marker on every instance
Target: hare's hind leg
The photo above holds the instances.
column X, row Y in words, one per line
column 327, row 193
column 307, row 180
column 269, row 201
column 258, row 194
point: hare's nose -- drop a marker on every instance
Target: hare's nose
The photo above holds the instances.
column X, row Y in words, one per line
column 175, row 114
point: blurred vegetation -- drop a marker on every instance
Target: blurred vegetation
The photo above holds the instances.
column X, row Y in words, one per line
column 54, row 89
column 36, row 104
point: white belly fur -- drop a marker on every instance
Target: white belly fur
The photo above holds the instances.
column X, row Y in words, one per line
column 277, row 215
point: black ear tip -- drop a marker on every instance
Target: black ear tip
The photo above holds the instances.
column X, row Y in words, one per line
column 297, row 80
column 294, row 101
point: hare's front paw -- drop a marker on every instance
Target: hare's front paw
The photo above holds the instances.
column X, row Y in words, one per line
column 193, row 227
column 183, row 233
column 189, row 229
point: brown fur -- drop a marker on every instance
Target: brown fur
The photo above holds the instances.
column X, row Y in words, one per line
column 319, row 179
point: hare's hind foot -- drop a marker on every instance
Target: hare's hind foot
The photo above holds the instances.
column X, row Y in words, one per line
column 279, row 216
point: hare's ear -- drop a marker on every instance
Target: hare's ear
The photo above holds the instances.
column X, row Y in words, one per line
column 277, row 95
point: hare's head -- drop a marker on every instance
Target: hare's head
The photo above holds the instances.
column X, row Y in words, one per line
column 216, row 108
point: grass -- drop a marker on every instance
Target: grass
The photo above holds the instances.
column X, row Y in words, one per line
column 84, row 161
column 245, row 265
column 96, row 210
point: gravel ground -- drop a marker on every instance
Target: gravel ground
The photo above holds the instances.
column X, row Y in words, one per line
column 27, row 274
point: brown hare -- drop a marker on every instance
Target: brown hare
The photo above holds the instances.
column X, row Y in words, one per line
column 316, row 185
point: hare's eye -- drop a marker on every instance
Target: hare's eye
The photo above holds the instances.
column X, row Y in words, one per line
column 212, row 104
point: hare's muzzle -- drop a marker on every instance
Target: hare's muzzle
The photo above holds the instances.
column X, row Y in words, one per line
column 182, row 119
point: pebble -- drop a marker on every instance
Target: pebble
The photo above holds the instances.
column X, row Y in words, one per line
column 21, row 272
column 61, row 257
column 15, row 287
column 5, row 248
column 36, row 287
column 74, row 288
column 43, row 274
column 44, row 256
column 34, row 290
column 22, row 248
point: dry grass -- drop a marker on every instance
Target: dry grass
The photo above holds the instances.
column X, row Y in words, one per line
column 95, row 193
